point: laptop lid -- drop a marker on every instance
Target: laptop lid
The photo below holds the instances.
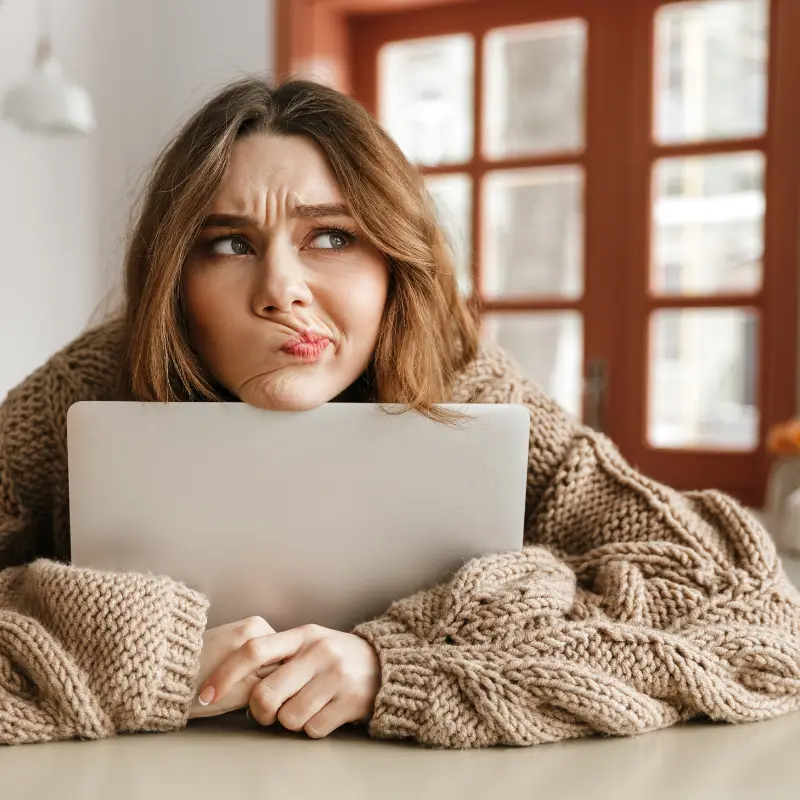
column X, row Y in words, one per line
column 322, row 516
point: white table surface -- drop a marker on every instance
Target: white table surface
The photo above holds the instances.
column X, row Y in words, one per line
column 230, row 758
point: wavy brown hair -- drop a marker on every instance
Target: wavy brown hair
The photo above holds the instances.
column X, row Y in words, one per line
column 428, row 332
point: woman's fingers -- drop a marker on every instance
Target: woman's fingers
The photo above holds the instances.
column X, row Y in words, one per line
column 256, row 653
column 310, row 700
column 271, row 693
column 266, row 671
column 332, row 716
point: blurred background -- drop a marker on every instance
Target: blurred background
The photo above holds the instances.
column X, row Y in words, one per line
column 619, row 179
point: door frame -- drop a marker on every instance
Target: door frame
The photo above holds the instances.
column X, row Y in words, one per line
column 312, row 37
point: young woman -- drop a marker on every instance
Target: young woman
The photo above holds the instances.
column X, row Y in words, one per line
column 287, row 255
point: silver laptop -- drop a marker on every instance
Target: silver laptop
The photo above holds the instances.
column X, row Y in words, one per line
column 323, row 516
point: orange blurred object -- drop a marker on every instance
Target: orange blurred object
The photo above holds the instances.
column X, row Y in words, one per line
column 784, row 438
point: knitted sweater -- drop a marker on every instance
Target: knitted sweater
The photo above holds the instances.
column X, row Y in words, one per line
column 631, row 607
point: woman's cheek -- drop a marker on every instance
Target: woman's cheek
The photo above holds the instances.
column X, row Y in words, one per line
column 210, row 305
column 368, row 296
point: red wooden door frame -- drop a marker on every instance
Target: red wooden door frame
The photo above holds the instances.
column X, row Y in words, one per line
column 313, row 36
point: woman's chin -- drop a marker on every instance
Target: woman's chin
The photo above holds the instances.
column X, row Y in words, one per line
column 285, row 393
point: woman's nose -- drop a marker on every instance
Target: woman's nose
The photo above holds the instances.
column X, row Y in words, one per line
column 282, row 285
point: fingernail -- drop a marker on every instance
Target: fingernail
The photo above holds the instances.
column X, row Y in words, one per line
column 248, row 715
column 206, row 696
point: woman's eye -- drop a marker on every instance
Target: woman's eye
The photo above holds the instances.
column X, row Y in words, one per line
column 331, row 240
column 230, row 246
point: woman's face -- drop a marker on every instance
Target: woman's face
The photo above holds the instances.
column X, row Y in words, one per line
column 283, row 294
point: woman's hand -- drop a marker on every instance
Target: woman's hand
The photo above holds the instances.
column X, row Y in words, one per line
column 218, row 645
column 328, row 678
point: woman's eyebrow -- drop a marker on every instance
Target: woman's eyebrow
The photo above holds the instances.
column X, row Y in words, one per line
column 302, row 212
column 323, row 210
column 229, row 221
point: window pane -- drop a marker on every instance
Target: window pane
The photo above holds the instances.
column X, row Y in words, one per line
column 703, row 377
column 711, row 62
column 533, row 236
column 548, row 345
column 534, row 88
column 708, row 224
column 452, row 195
column 426, row 91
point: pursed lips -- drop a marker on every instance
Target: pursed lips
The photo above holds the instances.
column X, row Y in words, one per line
column 307, row 346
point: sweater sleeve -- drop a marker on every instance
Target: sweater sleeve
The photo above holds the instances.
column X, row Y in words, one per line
column 87, row 654
column 633, row 607
column 82, row 654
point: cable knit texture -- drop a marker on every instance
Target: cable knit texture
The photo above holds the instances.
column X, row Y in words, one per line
column 631, row 607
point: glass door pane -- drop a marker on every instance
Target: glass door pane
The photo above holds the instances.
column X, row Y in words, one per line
column 548, row 346
column 711, row 70
column 533, row 232
column 426, row 97
column 534, row 88
column 452, row 195
column 708, row 224
column 703, row 379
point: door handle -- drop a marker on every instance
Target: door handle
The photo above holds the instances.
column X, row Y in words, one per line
column 596, row 389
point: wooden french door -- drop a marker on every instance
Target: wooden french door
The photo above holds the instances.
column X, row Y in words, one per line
column 620, row 179
column 712, row 260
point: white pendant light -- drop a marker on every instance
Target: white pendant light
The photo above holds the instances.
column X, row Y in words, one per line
column 46, row 102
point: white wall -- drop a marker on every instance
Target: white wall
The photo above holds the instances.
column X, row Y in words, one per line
column 65, row 203
column 49, row 277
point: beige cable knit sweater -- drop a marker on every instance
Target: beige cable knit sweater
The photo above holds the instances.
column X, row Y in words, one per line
column 633, row 607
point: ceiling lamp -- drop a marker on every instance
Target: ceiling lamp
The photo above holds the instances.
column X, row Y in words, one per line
column 46, row 102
